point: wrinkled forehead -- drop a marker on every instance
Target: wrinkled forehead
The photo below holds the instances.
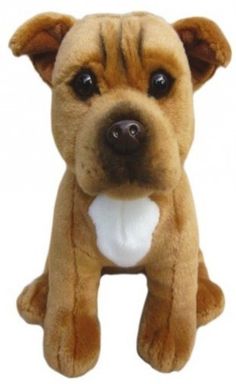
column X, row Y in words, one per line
column 121, row 42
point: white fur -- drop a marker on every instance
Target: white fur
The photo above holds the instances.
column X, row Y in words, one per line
column 124, row 228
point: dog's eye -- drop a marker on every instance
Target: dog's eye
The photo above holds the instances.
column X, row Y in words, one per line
column 84, row 84
column 160, row 84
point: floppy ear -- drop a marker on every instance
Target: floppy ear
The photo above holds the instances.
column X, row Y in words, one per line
column 205, row 45
column 40, row 39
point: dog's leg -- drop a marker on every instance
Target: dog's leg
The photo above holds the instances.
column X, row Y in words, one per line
column 32, row 301
column 168, row 324
column 71, row 327
column 210, row 298
column 72, row 334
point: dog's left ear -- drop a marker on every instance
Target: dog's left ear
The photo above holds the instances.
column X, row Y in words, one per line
column 205, row 45
column 40, row 39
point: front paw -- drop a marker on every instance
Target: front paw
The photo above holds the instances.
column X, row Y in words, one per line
column 166, row 348
column 71, row 342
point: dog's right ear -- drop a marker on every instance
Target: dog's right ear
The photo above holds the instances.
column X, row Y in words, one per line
column 40, row 39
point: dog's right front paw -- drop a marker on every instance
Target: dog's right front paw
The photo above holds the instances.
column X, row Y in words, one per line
column 71, row 342
column 164, row 350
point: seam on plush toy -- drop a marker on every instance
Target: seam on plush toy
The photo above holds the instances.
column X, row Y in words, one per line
column 173, row 269
column 168, row 320
column 58, row 358
column 75, row 267
column 175, row 261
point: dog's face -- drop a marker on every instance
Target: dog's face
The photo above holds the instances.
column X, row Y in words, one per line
column 122, row 105
column 122, row 95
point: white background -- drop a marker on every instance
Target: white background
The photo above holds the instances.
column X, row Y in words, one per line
column 31, row 170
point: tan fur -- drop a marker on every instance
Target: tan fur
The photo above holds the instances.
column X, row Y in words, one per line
column 40, row 38
column 122, row 51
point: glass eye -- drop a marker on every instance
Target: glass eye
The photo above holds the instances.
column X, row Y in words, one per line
column 84, row 84
column 160, row 84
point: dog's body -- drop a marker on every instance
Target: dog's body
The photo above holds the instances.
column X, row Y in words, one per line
column 124, row 204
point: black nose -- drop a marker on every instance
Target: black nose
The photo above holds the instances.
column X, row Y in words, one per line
column 125, row 136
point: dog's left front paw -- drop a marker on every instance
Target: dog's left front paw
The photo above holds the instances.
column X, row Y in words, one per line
column 165, row 343
column 164, row 350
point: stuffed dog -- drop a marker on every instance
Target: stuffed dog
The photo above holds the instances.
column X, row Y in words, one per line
column 122, row 119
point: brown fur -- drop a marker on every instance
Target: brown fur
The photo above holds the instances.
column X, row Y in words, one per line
column 122, row 51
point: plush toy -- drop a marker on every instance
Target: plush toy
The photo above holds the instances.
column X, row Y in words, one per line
column 122, row 118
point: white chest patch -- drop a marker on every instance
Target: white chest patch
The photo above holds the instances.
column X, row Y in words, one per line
column 124, row 228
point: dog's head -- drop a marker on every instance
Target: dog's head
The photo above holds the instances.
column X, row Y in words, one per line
column 122, row 93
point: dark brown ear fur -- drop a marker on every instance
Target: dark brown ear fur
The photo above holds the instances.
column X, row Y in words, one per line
column 205, row 45
column 40, row 38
